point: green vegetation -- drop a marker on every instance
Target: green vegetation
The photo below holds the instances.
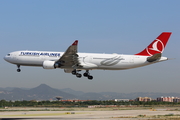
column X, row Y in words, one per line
column 32, row 103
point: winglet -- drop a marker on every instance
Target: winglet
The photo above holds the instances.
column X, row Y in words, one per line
column 157, row 46
column 75, row 42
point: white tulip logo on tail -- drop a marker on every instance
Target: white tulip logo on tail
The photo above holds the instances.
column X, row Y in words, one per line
column 156, row 47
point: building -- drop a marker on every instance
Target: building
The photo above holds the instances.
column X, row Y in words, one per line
column 121, row 100
column 176, row 100
column 59, row 98
column 165, row 99
column 74, row 100
column 144, row 99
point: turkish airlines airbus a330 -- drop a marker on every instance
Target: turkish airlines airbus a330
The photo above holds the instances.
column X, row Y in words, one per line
column 73, row 62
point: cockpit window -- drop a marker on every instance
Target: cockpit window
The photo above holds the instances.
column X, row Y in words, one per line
column 8, row 54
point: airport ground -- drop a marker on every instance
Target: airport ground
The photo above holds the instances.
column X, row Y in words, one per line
column 125, row 113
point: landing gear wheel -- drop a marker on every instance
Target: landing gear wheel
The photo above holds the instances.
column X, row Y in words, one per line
column 78, row 75
column 74, row 72
column 90, row 77
column 18, row 70
column 85, row 74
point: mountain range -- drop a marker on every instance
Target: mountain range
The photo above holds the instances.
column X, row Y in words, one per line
column 45, row 92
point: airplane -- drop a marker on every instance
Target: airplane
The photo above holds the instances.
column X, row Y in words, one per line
column 73, row 62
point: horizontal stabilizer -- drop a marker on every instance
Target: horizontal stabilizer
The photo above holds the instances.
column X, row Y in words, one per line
column 154, row 57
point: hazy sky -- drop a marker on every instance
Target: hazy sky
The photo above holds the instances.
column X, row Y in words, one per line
column 101, row 26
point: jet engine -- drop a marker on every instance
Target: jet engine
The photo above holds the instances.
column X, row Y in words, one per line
column 49, row 64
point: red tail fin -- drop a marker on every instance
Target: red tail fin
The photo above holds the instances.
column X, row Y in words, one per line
column 157, row 46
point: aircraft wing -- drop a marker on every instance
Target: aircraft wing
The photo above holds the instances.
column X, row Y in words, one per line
column 70, row 58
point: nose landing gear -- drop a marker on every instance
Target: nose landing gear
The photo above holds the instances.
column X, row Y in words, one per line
column 18, row 70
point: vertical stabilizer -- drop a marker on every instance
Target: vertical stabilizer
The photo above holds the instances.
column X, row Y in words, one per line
column 157, row 46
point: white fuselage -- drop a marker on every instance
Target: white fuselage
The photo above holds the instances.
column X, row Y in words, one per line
column 87, row 60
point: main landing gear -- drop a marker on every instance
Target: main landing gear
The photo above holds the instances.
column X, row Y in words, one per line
column 75, row 72
column 86, row 74
column 18, row 70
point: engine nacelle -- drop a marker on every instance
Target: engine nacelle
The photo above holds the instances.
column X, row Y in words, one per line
column 48, row 64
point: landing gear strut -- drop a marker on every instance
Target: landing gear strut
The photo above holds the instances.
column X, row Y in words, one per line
column 18, row 70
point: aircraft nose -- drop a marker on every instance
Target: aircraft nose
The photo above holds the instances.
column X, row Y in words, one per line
column 5, row 58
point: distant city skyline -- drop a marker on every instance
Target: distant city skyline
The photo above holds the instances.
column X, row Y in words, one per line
column 123, row 27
